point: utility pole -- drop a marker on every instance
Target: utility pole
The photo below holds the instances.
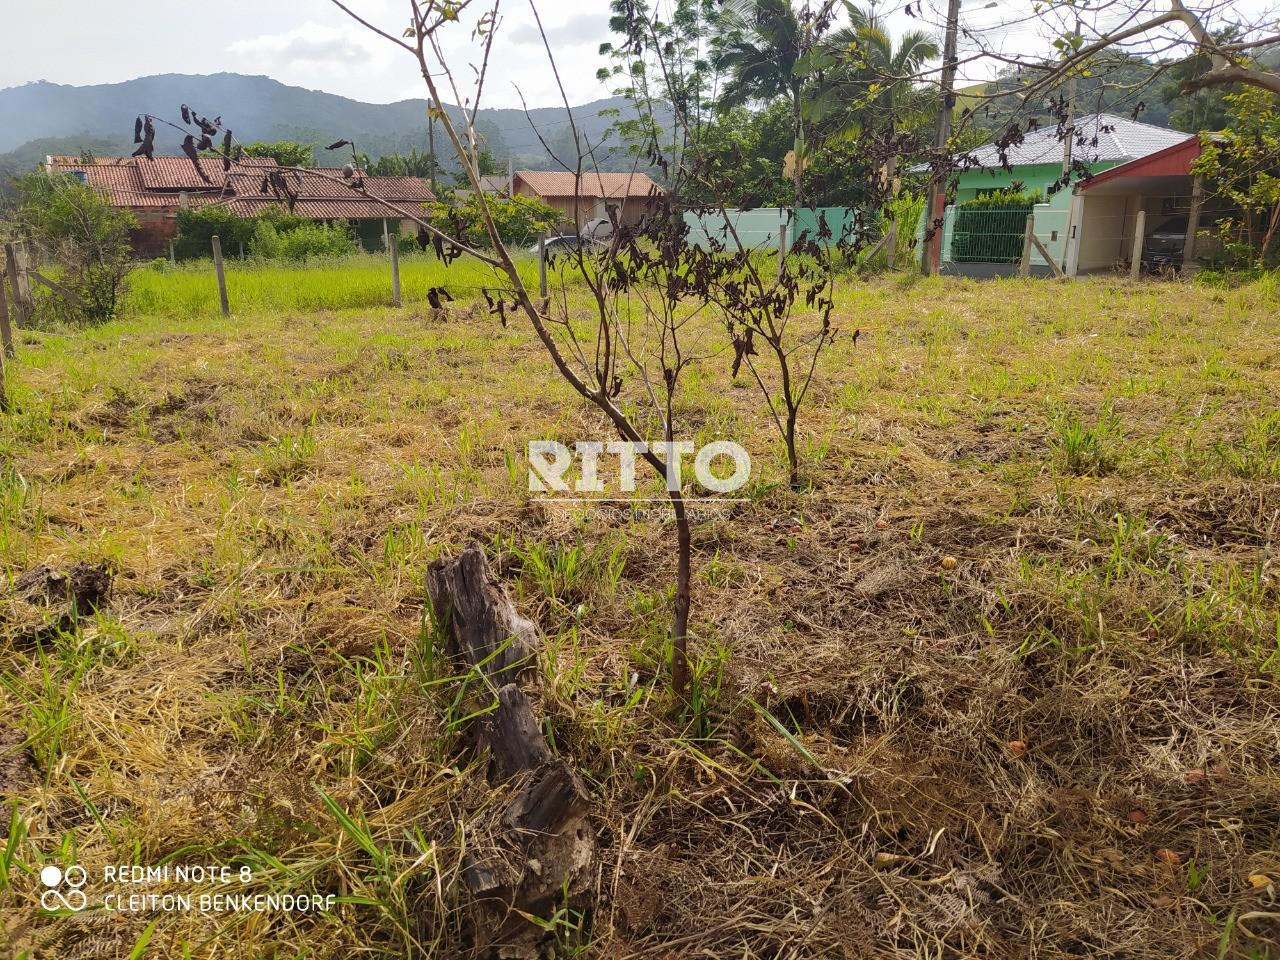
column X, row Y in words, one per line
column 431, row 148
column 1069, row 132
column 935, row 201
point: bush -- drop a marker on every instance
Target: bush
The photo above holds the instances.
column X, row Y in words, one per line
column 990, row 229
column 197, row 227
column 301, row 241
column 519, row 220
column 73, row 225
column 906, row 211
column 274, row 234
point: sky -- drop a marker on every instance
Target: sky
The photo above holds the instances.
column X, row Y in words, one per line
column 306, row 43
column 313, row 44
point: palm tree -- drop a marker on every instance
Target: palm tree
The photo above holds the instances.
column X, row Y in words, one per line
column 758, row 45
column 860, row 64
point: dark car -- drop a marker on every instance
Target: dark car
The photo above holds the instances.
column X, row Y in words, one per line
column 1162, row 247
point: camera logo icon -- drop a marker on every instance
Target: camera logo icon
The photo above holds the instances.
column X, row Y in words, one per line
column 63, row 888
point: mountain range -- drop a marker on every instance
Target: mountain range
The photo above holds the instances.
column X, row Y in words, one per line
column 41, row 118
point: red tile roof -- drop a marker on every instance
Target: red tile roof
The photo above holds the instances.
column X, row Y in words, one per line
column 166, row 173
column 179, row 173
column 328, row 182
column 122, row 183
column 130, row 182
column 399, row 188
column 350, row 209
column 559, row 183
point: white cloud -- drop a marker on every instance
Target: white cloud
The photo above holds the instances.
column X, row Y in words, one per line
column 592, row 28
column 312, row 48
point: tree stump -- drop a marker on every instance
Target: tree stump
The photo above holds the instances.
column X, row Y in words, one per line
column 480, row 617
column 542, row 841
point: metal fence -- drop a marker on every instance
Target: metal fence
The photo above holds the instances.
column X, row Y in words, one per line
column 988, row 235
column 1102, row 232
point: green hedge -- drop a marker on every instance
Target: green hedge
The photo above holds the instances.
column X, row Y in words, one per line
column 990, row 229
column 273, row 234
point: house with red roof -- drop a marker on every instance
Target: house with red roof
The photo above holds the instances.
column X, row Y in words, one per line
column 154, row 190
column 589, row 196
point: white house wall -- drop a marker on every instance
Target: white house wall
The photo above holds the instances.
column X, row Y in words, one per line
column 1105, row 222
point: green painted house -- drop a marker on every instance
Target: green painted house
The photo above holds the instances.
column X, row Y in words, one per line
column 1102, row 141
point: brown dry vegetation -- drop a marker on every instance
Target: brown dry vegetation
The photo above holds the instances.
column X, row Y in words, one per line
column 884, row 756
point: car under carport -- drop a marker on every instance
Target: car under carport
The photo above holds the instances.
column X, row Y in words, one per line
column 1157, row 194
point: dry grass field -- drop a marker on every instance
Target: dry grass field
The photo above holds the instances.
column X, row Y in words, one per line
column 1066, row 744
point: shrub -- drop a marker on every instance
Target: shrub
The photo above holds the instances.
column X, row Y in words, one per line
column 274, row 234
column 906, row 211
column 990, row 229
column 301, row 241
column 519, row 219
column 72, row 224
column 198, row 225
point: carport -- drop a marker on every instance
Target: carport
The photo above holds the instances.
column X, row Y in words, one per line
column 1114, row 214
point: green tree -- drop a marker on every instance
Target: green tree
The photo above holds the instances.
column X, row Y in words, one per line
column 70, row 222
column 673, row 107
column 1203, row 109
column 411, row 164
column 758, row 45
column 1242, row 166
column 741, row 152
column 864, row 80
column 520, row 220
column 764, row 47
column 287, row 153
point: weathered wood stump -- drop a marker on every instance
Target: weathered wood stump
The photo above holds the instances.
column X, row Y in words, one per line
column 484, row 628
column 544, row 841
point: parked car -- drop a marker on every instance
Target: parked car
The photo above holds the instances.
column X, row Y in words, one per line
column 566, row 244
column 1162, row 247
column 601, row 228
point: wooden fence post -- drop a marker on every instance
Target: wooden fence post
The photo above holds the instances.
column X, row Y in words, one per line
column 222, row 279
column 1139, row 234
column 395, row 273
column 6, row 329
column 542, row 265
column 1190, row 263
column 173, row 257
column 24, row 283
column 782, row 246
column 1024, row 269
column 1048, row 257
column 14, row 261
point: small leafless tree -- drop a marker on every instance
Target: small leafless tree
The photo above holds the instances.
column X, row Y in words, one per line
column 639, row 323
column 778, row 313
column 649, row 287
